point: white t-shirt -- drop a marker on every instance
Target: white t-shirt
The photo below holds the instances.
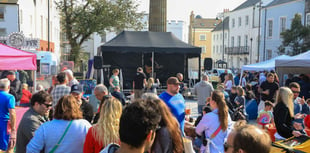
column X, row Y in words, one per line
column 228, row 85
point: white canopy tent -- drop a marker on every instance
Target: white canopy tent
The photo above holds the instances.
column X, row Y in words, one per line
column 299, row 64
column 267, row 65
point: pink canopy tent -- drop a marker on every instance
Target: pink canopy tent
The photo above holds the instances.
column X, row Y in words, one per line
column 14, row 59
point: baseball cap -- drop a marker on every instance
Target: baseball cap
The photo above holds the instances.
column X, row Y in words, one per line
column 173, row 80
column 77, row 88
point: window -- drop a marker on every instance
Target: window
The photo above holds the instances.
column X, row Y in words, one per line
column 270, row 24
column 203, row 49
column 247, row 20
column 225, row 36
column 221, row 36
column 282, row 24
column 239, row 21
column 1, row 13
column 217, row 49
column 202, row 37
column 239, row 41
column 232, row 41
column 269, row 54
column 233, row 23
column 213, row 49
column 217, row 37
column 221, row 48
column 308, row 19
column 2, row 32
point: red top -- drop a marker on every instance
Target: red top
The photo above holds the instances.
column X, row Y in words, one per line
column 25, row 97
column 90, row 144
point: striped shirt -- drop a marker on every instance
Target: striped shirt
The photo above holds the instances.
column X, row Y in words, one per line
column 58, row 92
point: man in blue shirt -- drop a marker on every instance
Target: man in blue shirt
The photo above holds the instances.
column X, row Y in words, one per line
column 7, row 112
column 174, row 100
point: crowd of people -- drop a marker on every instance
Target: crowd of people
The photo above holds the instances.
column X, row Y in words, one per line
column 60, row 119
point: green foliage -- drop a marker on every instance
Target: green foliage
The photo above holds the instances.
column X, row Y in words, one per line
column 80, row 19
column 296, row 39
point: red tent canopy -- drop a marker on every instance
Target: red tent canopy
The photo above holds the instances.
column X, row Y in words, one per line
column 14, row 59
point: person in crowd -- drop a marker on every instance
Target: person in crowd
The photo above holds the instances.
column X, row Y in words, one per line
column 94, row 102
column 105, row 131
column 87, row 109
column 61, row 89
column 240, row 99
column 101, row 93
column 300, row 106
column 54, row 84
column 262, row 77
column 221, row 88
column 276, row 78
column 222, row 76
column 203, row 90
column 248, row 139
column 249, row 93
column 39, row 87
column 15, row 86
column 243, row 80
column 283, row 114
column 119, row 95
column 168, row 138
column 229, row 82
column 268, row 91
column 37, row 114
column 138, row 83
column 25, row 99
column 289, row 79
column 237, row 79
column 304, row 86
column 70, row 133
column 151, row 86
column 265, row 116
column 233, row 94
column 174, row 100
column 114, row 80
column 215, row 124
column 71, row 79
column 137, row 129
column 182, row 85
column 7, row 117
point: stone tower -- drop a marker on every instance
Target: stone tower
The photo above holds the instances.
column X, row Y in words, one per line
column 158, row 16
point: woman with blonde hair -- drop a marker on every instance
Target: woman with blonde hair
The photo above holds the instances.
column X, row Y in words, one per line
column 215, row 124
column 229, row 82
column 65, row 133
column 151, row 86
column 283, row 114
column 106, row 129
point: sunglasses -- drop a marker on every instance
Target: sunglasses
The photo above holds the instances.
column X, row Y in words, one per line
column 296, row 91
column 48, row 105
column 226, row 146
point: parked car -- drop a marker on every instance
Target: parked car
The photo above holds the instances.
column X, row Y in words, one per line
column 214, row 74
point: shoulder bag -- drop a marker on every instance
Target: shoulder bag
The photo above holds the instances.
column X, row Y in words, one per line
column 63, row 135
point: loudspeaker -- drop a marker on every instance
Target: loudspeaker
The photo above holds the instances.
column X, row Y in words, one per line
column 208, row 63
column 98, row 62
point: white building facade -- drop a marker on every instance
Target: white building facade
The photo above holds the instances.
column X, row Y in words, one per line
column 243, row 34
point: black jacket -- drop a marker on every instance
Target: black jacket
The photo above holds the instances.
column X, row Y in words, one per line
column 283, row 120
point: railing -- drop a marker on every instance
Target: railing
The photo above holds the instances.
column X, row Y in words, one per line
column 237, row 50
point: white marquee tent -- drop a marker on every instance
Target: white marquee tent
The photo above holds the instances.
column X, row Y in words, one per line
column 267, row 65
column 299, row 64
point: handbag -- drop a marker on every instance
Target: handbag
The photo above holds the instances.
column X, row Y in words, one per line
column 188, row 145
column 63, row 135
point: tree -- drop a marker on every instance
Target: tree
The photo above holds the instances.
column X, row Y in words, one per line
column 80, row 19
column 295, row 39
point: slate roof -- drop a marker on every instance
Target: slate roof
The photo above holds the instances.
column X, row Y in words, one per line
column 219, row 27
column 246, row 4
column 277, row 2
column 205, row 23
